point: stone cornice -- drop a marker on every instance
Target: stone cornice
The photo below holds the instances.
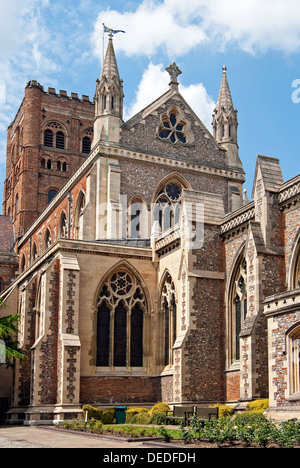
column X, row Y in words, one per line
column 238, row 218
column 86, row 247
column 289, row 193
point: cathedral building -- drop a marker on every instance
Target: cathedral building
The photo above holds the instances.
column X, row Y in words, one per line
column 145, row 273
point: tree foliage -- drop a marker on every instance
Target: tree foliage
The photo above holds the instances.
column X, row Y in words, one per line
column 8, row 334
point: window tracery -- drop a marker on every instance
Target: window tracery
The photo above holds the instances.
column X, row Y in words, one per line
column 294, row 353
column 238, row 309
column 120, row 321
column 169, row 308
column 167, row 205
column 297, row 271
column 173, row 128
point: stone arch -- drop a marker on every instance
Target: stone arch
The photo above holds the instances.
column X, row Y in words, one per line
column 293, row 268
column 236, row 304
column 63, row 226
column 121, row 320
column 166, row 201
column 167, row 303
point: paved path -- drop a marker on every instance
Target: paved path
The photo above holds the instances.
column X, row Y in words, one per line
column 35, row 437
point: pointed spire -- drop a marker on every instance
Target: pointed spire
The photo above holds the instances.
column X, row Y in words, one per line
column 108, row 99
column 225, row 123
column 110, row 67
column 109, row 91
column 224, row 100
column 225, row 116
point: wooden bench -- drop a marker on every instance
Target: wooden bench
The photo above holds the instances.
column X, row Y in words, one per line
column 179, row 413
column 203, row 414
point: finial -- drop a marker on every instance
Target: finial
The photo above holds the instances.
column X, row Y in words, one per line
column 174, row 72
column 224, row 68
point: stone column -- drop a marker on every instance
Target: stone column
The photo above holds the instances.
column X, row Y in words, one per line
column 68, row 368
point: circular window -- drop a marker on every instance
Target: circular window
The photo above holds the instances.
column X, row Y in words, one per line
column 121, row 283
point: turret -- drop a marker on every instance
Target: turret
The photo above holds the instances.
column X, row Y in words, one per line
column 225, row 123
column 108, row 99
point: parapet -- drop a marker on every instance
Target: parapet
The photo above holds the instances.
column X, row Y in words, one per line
column 61, row 94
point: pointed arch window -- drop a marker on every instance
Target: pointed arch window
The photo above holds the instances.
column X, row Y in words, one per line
column 120, row 322
column 238, row 309
column 297, row 270
column 167, row 205
column 169, row 309
column 47, row 239
column 137, row 219
column 63, row 226
column 79, row 215
column 293, row 341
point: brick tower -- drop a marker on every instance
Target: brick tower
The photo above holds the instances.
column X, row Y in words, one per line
column 48, row 140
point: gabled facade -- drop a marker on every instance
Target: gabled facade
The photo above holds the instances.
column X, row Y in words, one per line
column 145, row 278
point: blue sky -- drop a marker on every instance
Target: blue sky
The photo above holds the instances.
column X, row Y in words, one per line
column 59, row 43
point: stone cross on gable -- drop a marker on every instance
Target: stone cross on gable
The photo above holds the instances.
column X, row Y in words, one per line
column 174, row 72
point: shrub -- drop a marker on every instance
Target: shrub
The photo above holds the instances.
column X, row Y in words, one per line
column 288, row 435
column 258, row 405
column 158, row 419
column 92, row 412
column 107, row 416
column 95, row 426
column 131, row 412
column 160, row 408
column 165, row 434
column 224, row 410
column 141, row 418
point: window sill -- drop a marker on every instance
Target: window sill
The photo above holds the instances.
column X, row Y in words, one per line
column 294, row 397
column 120, row 372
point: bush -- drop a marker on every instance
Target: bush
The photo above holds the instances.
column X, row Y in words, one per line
column 107, row 416
column 160, row 408
column 95, row 426
column 288, row 434
column 92, row 412
column 141, row 418
column 131, row 412
column 158, row 419
column 258, row 405
column 225, row 410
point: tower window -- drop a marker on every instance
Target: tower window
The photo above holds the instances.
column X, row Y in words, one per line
column 48, row 138
column 51, row 195
column 60, row 140
column 86, row 145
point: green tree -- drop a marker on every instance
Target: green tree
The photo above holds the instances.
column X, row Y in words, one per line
column 8, row 332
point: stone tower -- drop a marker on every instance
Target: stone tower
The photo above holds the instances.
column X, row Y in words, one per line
column 225, row 123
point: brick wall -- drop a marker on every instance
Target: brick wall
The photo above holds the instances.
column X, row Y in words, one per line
column 109, row 390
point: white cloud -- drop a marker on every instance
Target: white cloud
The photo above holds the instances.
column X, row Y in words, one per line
column 175, row 27
column 195, row 94
column 2, row 91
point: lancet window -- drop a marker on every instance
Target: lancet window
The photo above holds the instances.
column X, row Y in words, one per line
column 169, row 309
column 238, row 308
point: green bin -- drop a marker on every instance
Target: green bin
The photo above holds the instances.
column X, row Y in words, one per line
column 120, row 414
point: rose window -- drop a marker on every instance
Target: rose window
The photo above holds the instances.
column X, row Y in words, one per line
column 173, row 129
